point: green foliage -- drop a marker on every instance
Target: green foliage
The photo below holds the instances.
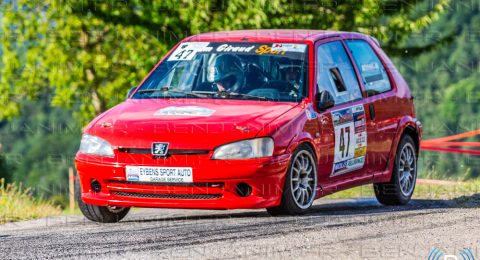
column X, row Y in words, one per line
column 40, row 146
column 460, row 101
column 447, row 90
column 89, row 53
column 4, row 173
column 84, row 61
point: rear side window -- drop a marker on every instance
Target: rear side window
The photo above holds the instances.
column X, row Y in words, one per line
column 373, row 73
column 335, row 73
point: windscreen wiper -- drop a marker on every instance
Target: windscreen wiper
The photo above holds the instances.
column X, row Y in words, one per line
column 226, row 94
column 246, row 95
column 167, row 89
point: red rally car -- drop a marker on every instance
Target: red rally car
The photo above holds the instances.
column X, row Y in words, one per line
column 254, row 119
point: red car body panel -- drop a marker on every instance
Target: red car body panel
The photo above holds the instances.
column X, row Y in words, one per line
column 132, row 125
column 135, row 117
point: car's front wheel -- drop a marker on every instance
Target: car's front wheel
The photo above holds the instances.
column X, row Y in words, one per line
column 400, row 188
column 103, row 214
column 300, row 185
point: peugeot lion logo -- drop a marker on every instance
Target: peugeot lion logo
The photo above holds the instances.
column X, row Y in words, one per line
column 159, row 149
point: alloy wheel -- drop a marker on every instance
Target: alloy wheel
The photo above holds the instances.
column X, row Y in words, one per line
column 407, row 169
column 303, row 179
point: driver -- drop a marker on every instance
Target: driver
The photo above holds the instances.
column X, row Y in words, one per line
column 292, row 75
column 226, row 72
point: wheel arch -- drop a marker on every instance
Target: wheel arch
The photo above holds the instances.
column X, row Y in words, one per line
column 286, row 206
column 303, row 139
column 407, row 125
column 412, row 132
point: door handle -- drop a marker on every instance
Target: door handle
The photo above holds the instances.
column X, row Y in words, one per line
column 371, row 110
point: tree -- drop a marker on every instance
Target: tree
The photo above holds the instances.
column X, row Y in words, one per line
column 89, row 53
column 4, row 174
column 40, row 146
column 446, row 88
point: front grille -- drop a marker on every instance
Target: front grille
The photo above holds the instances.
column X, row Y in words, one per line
column 170, row 152
column 182, row 184
column 168, row 196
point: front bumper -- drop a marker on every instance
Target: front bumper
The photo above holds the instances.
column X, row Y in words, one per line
column 214, row 182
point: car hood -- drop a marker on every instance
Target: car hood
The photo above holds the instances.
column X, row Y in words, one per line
column 185, row 123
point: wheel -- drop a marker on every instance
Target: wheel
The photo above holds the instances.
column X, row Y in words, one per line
column 103, row 214
column 400, row 188
column 300, row 184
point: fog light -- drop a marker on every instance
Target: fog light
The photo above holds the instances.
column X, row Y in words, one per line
column 96, row 186
column 244, row 190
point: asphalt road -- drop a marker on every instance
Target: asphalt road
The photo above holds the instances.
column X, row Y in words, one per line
column 338, row 229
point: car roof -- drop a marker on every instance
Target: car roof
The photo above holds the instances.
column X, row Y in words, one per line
column 280, row 35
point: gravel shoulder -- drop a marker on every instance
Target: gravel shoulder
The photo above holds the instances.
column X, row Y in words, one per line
column 336, row 228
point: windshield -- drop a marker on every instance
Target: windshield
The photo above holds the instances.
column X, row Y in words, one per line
column 259, row 71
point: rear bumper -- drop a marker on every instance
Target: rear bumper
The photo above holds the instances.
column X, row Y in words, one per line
column 214, row 183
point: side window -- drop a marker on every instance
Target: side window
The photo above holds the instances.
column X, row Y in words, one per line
column 373, row 73
column 335, row 73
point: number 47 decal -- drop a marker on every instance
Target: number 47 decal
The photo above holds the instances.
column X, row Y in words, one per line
column 343, row 131
column 181, row 56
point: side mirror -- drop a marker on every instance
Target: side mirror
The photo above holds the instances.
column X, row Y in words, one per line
column 324, row 100
column 130, row 92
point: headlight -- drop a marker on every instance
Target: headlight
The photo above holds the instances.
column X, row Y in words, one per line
column 253, row 148
column 94, row 145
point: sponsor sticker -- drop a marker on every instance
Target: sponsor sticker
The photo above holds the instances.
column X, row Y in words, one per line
column 360, row 128
column 340, row 166
column 350, row 139
column 184, row 111
column 360, row 151
column 159, row 174
column 370, row 67
column 360, row 122
column 289, row 47
column 265, row 49
column 361, row 139
column 132, row 176
column 310, row 112
column 233, row 48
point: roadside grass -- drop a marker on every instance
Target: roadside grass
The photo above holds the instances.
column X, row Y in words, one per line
column 462, row 193
column 16, row 203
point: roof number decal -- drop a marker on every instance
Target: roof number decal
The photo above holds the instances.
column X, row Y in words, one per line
column 188, row 50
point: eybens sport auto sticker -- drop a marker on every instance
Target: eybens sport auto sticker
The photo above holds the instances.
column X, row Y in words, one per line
column 187, row 50
column 350, row 139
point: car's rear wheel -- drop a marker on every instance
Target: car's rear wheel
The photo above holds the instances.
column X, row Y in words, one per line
column 300, row 184
column 400, row 188
column 103, row 214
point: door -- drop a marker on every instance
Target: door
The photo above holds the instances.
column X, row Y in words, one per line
column 380, row 101
column 343, row 130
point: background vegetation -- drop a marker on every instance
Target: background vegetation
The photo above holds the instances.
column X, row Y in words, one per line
column 63, row 62
column 17, row 203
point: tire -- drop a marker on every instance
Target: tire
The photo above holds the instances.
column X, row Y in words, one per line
column 102, row 214
column 400, row 188
column 300, row 184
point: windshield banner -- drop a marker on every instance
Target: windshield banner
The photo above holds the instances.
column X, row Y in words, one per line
column 188, row 50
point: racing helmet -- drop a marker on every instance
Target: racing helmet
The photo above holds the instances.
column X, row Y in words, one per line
column 227, row 69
